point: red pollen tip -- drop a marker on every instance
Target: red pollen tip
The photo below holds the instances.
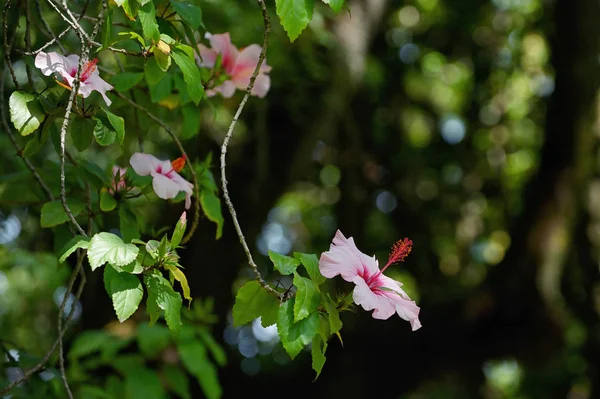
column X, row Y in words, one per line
column 88, row 69
column 400, row 251
column 178, row 164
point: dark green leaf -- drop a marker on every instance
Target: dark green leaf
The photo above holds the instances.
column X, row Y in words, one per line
column 335, row 324
column 191, row 74
column 295, row 336
column 162, row 89
column 213, row 346
column 107, row 202
column 153, row 339
column 103, row 134
column 143, row 383
column 54, row 214
column 318, row 354
column 107, row 29
column 194, row 358
column 336, row 5
column 177, row 381
column 128, row 224
column 162, row 296
column 38, row 141
column 191, row 122
column 147, row 14
column 211, row 206
column 124, row 81
column 253, row 301
column 152, row 72
column 308, row 297
column 82, row 132
column 311, row 264
column 189, row 13
column 294, row 15
column 88, row 342
column 284, row 264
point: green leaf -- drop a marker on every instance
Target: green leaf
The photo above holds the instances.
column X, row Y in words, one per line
column 153, row 339
column 126, row 292
column 215, row 349
column 335, row 324
column 118, row 124
column 134, row 36
column 179, row 276
column 54, row 214
column 143, row 383
column 211, row 206
column 189, row 13
column 295, row 336
column 311, row 264
column 284, row 264
column 191, row 122
column 194, row 358
column 82, row 132
column 107, row 247
column 128, row 224
column 147, row 14
column 107, row 202
column 177, row 381
column 72, row 245
column 162, row 296
column 88, row 342
column 294, row 15
column 191, row 74
column 103, row 134
column 163, row 61
column 38, row 141
column 179, row 231
column 336, row 5
column 153, row 73
column 126, row 80
column 308, row 297
column 162, row 89
column 95, row 170
column 253, row 301
column 318, row 354
column 25, row 112
column 107, row 29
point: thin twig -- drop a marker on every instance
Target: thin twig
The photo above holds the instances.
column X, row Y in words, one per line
column 55, row 38
column 28, row 39
column 6, row 46
column 196, row 218
column 236, row 223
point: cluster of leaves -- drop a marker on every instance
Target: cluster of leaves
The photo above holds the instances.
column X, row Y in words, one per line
column 148, row 371
column 126, row 261
column 307, row 314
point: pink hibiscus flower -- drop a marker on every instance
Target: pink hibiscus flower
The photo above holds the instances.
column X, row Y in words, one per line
column 118, row 180
column 66, row 68
column 238, row 64
column 373, row 290
column 166, row 182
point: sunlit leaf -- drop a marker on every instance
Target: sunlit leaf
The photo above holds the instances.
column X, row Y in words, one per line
column 311, row 264
column 308, row 297
column 72, row 245
column 179, row 276
column 107, row 247
column 294, row 15
column 162, row 296
column 126, row 292
column 25, row 112
column 295, row 336
column 147, row 14
column 283, row 264
column 253, row 301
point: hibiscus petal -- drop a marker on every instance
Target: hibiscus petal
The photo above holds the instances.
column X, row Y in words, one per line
column 144, row 164
column 53, row 62
column 209, row 56
column 164, row 187
column 345, row 259
column 227, row 89
column 262, row 84
column 95, row 82
column 246, row 62
column 222, row 44
column 369, row 300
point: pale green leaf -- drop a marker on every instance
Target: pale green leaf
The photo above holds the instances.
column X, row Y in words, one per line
column 295, row 336
column 107, row 202
column 25, row 112
column 177, row 273
column 308, row 297
column 72, row 245
column 294, row 15
column 283, row 264
column 126, row 292
column 163, row 297
column 107, row 247
column 311, row 264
